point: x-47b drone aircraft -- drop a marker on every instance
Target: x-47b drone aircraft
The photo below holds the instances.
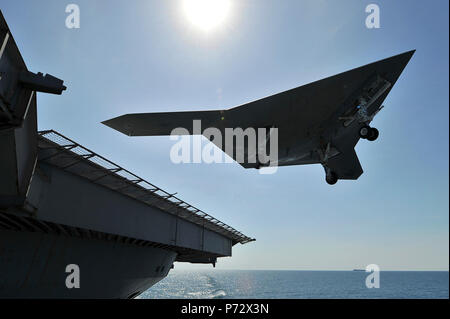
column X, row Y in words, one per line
column 318, row 123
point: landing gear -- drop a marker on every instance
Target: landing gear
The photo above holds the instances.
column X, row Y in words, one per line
column 364, row 132
column 331, row 178
column 374, row 133
column 368, row 133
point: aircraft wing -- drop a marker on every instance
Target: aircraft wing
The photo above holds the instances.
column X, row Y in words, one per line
column 305, row 111
column 154, row 124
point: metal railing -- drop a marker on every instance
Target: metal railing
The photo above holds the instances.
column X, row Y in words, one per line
column 125, row 182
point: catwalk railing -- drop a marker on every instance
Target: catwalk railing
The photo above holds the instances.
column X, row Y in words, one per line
column 66, row 154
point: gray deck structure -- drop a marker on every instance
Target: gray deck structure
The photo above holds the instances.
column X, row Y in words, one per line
column 80, row 206
column 124, row 203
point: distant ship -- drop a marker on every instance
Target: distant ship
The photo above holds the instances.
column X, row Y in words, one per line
column 356, row 269
column 68, row 212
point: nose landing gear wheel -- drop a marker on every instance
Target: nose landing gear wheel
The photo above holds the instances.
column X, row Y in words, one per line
column 331, row 178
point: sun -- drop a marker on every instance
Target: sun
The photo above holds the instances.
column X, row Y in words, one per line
column 206, row 14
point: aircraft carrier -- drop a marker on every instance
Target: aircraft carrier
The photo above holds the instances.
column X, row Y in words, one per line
column 62, row 204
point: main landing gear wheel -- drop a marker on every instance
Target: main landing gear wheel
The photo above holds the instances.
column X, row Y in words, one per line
column 331, row 178
column 365, row 131
column 374, row 133
column 368, row 133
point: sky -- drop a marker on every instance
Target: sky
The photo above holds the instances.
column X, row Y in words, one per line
column 147, row 56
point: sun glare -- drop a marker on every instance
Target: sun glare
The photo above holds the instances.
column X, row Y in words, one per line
column 207, row 14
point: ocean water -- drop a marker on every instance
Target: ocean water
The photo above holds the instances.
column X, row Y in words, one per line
column 248, row 284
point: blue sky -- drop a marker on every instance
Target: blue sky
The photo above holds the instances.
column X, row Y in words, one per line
column 145, row 56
